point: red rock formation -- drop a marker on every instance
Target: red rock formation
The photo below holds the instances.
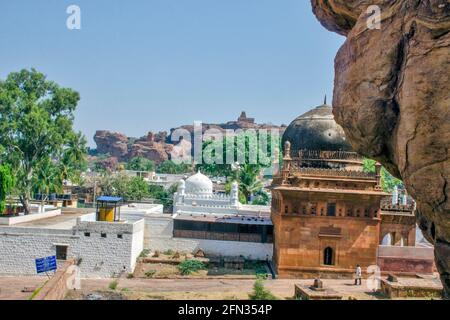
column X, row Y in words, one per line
column 155, row 146
column 392, row 98
column 114, row 143
column 154, row 152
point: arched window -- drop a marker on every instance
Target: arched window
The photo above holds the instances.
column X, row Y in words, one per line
column 328, row 256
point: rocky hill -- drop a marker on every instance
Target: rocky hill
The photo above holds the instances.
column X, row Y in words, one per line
column 158, row 146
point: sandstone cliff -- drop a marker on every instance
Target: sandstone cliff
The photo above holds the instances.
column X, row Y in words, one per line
column 392, row 98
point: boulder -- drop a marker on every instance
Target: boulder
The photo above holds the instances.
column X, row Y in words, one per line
column 392, row 98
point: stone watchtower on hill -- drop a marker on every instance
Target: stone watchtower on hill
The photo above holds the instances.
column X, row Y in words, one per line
column 243, row 118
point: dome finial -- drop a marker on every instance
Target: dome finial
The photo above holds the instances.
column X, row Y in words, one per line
column 325, row 100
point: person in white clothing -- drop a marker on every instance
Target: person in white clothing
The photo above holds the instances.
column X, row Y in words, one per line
column 358, row 275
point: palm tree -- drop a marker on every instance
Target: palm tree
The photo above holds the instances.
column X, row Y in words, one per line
column 47, row 179
column 247, row 176
column 74, row 158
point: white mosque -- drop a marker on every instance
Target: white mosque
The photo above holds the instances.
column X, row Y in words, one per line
column 217, row 223
column 195, row 196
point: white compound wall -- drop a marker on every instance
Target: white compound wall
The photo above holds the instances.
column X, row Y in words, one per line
column 100, row 256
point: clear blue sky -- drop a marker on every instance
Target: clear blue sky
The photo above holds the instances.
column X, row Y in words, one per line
column 143, row 65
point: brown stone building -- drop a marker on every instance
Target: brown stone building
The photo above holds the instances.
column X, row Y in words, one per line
column 398, row 222
column 325, row 209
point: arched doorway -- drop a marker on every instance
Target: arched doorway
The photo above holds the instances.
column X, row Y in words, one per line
column 328, row 256
column 387, row 240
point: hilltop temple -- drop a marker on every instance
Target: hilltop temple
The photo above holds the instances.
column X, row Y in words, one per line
column 326, row 211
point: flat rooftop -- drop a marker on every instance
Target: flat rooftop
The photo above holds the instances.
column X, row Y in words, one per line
column 64, row 221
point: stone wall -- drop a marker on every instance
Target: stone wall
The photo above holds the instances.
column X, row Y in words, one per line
column 406, row 260
column 394, row 290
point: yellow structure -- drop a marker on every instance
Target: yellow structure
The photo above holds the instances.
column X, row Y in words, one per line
column 108, row 209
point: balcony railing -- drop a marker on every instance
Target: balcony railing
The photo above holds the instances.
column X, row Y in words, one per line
column 332, row 172
column 327, row 155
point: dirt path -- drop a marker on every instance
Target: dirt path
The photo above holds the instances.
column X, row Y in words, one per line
column 211, row 288
column 11, row 287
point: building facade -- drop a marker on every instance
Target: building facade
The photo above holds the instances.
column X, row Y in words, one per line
column 325, row 209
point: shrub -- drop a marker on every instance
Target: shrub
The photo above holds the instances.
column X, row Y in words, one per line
column 144, row 253
column 260, row 292
column 113, row 285
column 190, row 266
column 130, row 276
column 150, row 273
column 169, row 252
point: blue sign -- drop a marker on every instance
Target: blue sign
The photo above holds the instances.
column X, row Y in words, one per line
column 46, row 264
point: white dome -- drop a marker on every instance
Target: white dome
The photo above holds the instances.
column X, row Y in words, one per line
column 199, row 184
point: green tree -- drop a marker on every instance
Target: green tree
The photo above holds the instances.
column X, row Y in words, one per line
column 246, row 148
column 261, row 198
column 124, row 186
column 249, row 157
column 170, row 167
column 137, row 189
column 140, row 164
column 73, row 161
column 260, row 292
column 6, row 185
column 388, row 181
column 36, row 124
column 162, row 195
